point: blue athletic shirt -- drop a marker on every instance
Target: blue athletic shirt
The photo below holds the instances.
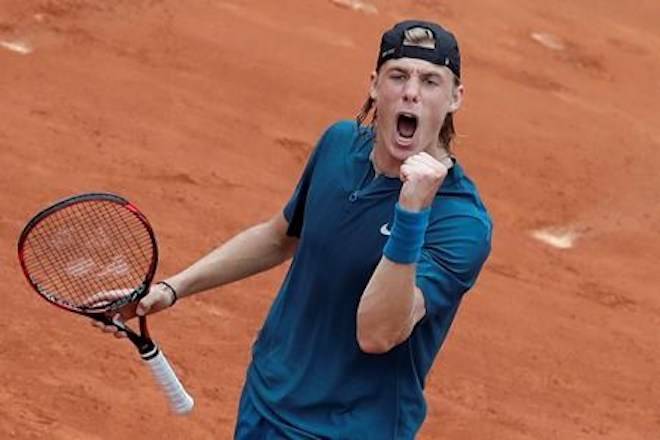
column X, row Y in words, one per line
column 308, row 375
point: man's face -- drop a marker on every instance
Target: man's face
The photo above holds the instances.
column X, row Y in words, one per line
column 412, row 98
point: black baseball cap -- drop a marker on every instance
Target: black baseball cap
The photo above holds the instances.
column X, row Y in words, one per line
column 443, row 52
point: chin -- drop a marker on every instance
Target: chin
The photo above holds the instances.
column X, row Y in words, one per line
column 403, row 152
column 401, row 155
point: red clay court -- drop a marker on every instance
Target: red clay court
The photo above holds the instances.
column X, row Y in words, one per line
column 203, row 113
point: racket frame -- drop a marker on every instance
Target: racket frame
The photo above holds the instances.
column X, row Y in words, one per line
column 180, row 400
column 92, row 312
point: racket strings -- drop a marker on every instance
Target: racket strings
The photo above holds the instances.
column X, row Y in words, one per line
column 89, row 254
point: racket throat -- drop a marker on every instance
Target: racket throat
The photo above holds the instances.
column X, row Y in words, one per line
column 146, row 347
column 148, row 350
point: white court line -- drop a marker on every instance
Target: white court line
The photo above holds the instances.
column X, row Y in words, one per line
column 17, row 46
column 548, row 40
column 561, row 238
column 357, row 5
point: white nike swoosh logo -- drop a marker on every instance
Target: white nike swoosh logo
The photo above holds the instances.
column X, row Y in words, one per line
column 385, row 231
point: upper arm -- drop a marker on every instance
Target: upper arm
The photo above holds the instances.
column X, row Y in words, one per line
column 279, row 225
column 419, row 307
column 451, row 260
column 418, row 312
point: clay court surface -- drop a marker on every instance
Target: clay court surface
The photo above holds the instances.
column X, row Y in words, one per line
column 203, row 112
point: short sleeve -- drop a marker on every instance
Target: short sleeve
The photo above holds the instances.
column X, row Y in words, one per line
column 294, row 210
column 454, row 252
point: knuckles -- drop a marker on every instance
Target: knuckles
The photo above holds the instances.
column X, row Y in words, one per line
column 424, row 166
column 425, row 173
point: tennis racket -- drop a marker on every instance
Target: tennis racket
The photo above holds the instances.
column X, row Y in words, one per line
column 92, row 254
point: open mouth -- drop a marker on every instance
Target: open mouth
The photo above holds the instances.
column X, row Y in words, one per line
column 406, row 125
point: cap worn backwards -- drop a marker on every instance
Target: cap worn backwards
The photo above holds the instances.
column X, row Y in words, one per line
column 420, row 39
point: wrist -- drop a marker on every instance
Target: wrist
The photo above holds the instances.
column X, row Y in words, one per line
column 407, row 237
column 172, row 291
column 412, row 206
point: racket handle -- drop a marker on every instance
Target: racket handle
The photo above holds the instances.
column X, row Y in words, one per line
column 180, row 401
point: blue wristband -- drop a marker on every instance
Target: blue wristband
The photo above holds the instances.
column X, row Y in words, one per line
column 408, row 229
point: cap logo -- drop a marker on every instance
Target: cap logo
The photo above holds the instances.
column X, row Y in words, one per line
column 388, row 52
column 419, row 37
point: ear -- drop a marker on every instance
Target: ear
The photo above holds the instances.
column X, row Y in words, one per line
column 373, row 82
column 457, row 98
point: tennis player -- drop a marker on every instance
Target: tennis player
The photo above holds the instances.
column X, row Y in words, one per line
column 387, row 233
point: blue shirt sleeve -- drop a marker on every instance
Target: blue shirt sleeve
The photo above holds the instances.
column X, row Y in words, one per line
column 294, row 210
column 454, row 252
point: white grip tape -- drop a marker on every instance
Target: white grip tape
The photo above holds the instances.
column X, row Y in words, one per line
column 180, row 400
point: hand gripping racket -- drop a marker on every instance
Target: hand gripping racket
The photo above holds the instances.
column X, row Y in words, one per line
column 92, row 254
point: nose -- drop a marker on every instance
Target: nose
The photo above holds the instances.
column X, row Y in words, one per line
column 411, row 90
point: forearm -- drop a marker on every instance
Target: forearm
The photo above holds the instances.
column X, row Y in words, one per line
column 389, row 308
column 254, row 250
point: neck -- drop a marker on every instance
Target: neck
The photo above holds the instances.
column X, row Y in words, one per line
column 384, row 165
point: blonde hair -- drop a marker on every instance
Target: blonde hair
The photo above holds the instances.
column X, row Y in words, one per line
column 419, row 37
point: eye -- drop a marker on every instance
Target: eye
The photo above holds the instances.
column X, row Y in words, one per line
column 431, row 81
column 397, row 76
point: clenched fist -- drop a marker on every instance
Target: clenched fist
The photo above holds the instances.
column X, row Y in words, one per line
column 422, row 176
